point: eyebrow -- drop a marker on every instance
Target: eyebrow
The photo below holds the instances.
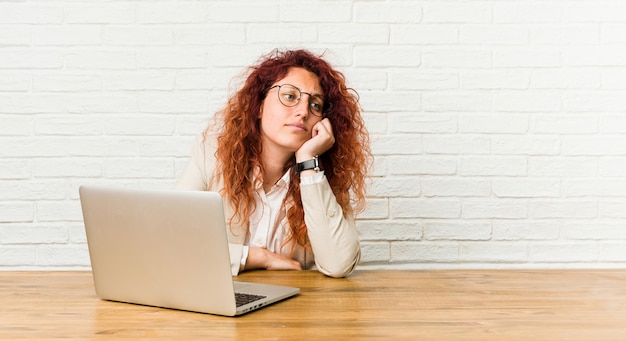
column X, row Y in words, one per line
column 313, row 94
column 317, row 94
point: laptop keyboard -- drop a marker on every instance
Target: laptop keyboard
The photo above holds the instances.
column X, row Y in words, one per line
column 242, row 298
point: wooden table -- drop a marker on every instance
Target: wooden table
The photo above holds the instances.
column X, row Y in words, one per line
column 390, row 305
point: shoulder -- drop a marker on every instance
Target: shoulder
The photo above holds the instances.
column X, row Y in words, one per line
column 207, row 140
column 204, row 146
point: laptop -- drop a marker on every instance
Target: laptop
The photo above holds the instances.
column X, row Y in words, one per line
column 166, row 248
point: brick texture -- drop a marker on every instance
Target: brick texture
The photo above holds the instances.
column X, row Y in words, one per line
column 498, row 127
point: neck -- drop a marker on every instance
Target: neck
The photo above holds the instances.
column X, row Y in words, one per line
column 273, row 162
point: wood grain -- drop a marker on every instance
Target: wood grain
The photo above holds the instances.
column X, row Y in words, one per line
column 390, row 305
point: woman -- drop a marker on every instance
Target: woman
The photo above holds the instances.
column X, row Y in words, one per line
column 289, row 155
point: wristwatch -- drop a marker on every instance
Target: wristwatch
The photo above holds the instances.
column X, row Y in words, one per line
column 308, row 164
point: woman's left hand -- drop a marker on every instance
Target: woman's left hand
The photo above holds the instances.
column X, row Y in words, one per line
column 322, row 139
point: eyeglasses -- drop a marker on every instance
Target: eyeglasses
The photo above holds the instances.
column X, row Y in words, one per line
column 289, row 96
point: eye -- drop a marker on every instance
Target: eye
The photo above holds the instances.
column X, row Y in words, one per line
column 316, row 104
column 316, row 107
column 289, row 95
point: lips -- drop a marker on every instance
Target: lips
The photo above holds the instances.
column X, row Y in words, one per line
column 298, row 126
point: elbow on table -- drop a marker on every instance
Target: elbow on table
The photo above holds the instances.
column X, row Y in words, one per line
column 336, row 273
column 338, row 269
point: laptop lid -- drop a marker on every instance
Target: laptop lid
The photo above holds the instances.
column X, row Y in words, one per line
column 164, row 248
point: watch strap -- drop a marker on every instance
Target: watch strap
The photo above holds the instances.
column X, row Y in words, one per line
column 308, row 164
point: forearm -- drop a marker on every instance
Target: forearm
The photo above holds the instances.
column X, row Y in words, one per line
column 260, row 258
column 334, row 237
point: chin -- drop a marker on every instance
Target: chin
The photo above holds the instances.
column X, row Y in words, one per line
column 293, row 146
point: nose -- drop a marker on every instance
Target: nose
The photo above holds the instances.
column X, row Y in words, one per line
column 302, row 108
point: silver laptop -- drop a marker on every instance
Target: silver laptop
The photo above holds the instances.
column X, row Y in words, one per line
column 166, row 248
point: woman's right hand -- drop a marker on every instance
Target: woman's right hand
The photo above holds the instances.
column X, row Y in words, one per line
column 260, row 258
column 322, row 139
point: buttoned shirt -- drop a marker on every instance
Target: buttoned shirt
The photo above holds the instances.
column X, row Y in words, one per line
column 268, row 224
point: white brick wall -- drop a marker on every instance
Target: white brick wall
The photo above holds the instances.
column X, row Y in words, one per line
column 499, row 127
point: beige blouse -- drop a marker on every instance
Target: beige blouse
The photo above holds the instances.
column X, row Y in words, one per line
column 333, row 235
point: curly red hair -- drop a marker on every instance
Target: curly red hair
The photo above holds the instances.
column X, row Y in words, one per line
column 238, row 152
